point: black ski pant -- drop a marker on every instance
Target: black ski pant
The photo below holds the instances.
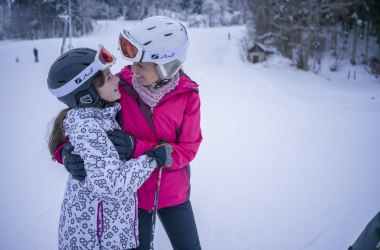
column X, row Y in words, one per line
column 369, row 239
column 179, row 224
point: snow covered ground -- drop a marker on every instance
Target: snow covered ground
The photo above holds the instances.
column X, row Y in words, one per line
column 290, row 159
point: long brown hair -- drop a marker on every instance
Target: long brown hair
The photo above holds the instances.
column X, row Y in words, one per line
column 57, row 135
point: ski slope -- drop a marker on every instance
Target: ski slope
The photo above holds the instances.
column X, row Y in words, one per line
column 290, row 159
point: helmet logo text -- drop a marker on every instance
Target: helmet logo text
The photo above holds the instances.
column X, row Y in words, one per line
column 81, row 79
column 157, row 56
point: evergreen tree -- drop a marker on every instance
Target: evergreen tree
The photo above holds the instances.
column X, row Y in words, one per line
column 197, row 7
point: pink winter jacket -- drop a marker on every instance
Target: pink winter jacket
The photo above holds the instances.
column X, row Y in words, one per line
column 176, row 120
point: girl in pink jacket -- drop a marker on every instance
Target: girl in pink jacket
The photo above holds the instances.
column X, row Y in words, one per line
column 160, row 104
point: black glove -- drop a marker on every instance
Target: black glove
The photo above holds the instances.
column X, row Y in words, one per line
column 73, row 163
column 124, row 143
column 162, row 154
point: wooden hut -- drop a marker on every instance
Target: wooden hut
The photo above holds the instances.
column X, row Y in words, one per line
column 258, row 53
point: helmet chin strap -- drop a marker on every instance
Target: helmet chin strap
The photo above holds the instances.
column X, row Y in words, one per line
column 160, row 83
column 104, row 103
column 162, row 72
column 164, row 79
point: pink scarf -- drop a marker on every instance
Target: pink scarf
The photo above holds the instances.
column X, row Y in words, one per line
column 152, row 95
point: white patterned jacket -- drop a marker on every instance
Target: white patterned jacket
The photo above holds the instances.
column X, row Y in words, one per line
column 101, row 212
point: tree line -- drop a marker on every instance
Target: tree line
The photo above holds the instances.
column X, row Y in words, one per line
column 302, row 30
column 305, row 29
column 36, row 19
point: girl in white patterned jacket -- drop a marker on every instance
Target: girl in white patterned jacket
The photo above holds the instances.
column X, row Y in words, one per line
column 99, row 212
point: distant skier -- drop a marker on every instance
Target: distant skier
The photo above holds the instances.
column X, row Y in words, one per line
column 17, row 60
column 35, row 52
column 229, row 36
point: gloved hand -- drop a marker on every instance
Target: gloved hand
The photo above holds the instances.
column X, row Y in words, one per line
column 73, row 163
column 124, row 143
column 162, row 154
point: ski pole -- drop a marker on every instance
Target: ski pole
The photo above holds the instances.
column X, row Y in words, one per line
column 155, row 207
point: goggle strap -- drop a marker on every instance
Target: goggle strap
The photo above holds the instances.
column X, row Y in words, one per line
column 84, row 75
column 153, row 56
column 77, row 81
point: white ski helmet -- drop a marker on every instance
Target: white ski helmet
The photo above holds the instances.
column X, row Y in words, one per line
column 159, row 39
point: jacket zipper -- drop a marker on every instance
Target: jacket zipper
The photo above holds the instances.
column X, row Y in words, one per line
column 151, row 114
column 152, row 117
column 135, row 221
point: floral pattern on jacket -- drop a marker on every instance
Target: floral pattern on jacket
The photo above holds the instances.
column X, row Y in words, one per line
column 101, row 212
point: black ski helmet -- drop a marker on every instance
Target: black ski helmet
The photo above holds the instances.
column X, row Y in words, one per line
column 67, row 67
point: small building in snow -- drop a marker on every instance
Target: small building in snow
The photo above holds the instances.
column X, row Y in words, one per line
column 258, row 53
